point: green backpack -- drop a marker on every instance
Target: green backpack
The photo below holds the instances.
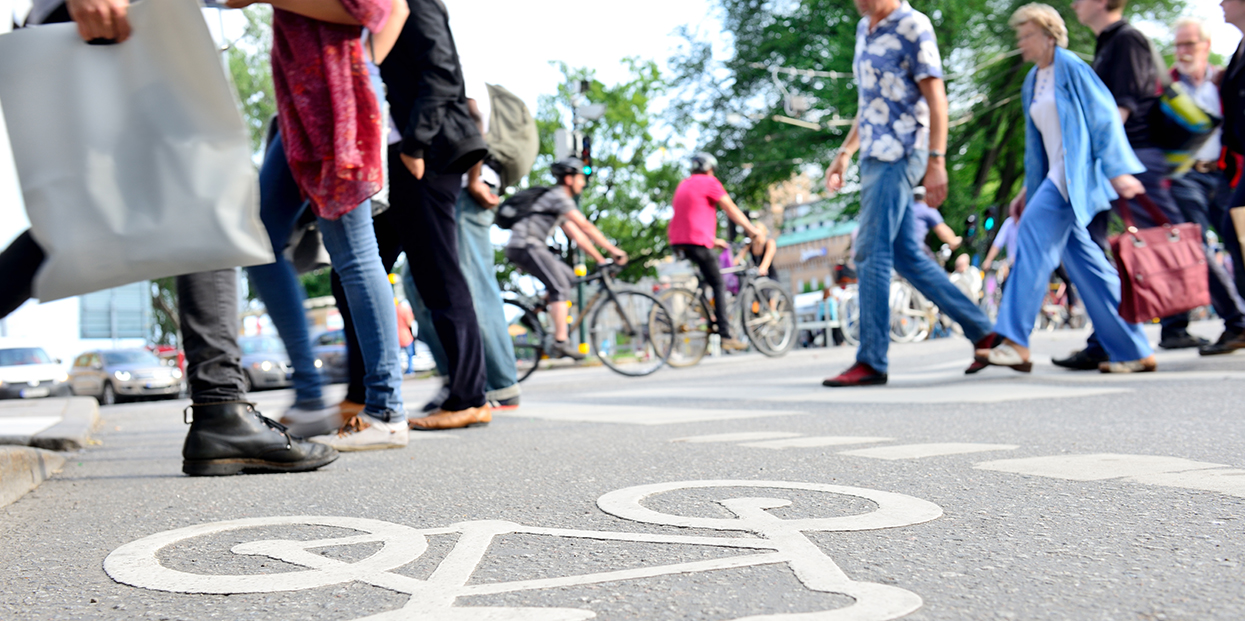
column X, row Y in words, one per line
column 512, row 137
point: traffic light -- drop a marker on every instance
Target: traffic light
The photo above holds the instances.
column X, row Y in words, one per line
column 586, row 156
column 991, row 220
column 970, row 226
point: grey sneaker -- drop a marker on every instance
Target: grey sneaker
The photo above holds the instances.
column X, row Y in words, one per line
column 568, row 350
column 306, row 422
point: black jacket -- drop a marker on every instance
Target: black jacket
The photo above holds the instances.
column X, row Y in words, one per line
column 427, row 95
column 1232, row 91
column 1124, row 62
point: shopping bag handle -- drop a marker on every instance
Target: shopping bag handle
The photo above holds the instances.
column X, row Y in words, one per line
column 1121, row 205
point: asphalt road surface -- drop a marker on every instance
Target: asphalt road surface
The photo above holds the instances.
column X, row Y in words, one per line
column 734, row 489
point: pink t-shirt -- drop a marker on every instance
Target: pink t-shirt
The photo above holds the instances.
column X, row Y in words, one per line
column 695, row 219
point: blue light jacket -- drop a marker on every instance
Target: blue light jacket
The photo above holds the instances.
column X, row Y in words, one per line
column 1094, row 144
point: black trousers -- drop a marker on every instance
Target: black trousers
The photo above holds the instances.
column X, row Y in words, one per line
column 421, row 221
column 706, row 260
column 207, row 305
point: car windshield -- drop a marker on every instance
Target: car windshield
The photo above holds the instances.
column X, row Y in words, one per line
column 23, row 355
column 261, row 345
column 138, row 356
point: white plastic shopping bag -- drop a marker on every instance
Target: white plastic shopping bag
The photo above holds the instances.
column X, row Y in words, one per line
column 133, row 159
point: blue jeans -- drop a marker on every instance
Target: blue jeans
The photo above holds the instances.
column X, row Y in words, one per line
column 475, row 257
column 1047, row 235
column 352, row 246
column 887, row 240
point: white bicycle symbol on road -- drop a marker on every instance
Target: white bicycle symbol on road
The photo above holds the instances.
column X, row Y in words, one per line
column 780, row 541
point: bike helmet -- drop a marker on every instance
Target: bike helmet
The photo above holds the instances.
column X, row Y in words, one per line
column 703, row 162
column 564, row 167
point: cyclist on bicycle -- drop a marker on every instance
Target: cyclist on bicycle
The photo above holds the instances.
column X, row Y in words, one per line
column 693, row 232
column 528, row 251
column 761, row 249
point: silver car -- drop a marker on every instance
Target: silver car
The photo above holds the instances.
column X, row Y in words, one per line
column 265, row 364
column 117, row 375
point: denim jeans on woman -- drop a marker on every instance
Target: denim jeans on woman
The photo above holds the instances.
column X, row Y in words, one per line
column 352, row 246
column 886, row 241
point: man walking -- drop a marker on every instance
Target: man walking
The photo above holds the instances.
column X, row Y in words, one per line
column 1202, row 193
column 901, row 132
column 1124, row 61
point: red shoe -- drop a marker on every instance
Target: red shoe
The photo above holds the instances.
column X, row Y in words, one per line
column 989, row 341
column 860, row 374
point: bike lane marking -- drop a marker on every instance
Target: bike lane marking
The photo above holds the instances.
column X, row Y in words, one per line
column 775, row 541
column 1143, row 469
column 738, row 437
column 900, row 390
column 934, row 449
column 633, row 414
column 815, row 441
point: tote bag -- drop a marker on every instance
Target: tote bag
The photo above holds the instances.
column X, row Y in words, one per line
column 133, row 158
column 1162, row 269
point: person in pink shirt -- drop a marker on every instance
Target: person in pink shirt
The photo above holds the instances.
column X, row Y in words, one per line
column 693, row 232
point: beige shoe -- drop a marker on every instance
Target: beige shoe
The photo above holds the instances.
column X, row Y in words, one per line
column 1145, row 365
column 349, row 409
column 733, row 345
column 458, row 419
column 364, row 433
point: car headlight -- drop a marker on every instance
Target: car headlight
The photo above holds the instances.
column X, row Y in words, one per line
column 122, row 375
column 319, row 363
column 265, row 365
column 62, row 378
column 177, row 373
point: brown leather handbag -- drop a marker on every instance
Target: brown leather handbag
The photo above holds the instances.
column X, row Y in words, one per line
column 1162, row 269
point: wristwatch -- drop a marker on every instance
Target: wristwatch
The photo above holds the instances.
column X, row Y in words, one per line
column 937, row 154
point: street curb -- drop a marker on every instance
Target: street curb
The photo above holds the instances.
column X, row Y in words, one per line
column 80, row 416
column 22, row 469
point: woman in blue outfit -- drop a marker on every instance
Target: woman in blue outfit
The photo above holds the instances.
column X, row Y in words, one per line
column 1077, row 160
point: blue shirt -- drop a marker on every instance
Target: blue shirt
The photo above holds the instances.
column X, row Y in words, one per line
column 891, row 60
column 926, row 218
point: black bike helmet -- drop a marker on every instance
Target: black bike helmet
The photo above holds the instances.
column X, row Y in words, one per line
column 703, row 162
column 564, row 167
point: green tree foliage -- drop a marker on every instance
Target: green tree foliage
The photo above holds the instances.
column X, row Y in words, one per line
column 165, row 325
column 251, row 69
column 734, row 101
column 629, row 194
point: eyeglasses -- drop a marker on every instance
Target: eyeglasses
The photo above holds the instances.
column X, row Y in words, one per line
column 1184, row 44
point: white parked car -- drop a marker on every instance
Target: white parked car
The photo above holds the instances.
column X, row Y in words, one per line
column 29, row 372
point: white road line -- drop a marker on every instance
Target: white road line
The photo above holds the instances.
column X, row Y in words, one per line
column 16, row 426
column 738, row 437
column 815, row 441
column 1144, row 469
column 918, row 451
column 984, row 392
column 634, row 415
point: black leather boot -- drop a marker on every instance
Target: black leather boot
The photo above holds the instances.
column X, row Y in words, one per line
column 231, row 437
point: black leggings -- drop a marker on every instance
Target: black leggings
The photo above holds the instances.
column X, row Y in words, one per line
column 706, row 260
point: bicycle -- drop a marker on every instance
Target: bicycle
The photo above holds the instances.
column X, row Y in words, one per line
column 630, row 331
column 763, row 313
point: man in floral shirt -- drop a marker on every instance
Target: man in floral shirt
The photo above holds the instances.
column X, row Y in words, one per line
column 901, row 133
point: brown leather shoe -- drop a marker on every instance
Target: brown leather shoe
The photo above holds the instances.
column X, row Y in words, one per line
column 1145, row 365
column 442, row 419
column 349, row 409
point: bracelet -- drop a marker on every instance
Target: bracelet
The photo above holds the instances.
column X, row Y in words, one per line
column 937, row 154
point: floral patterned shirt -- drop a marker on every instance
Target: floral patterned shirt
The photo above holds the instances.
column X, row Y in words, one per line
column 890, row 61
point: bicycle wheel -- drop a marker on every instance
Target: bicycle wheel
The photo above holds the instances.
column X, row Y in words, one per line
column 769, row 318
column 691, row 326
column 849, row 316
column 528, row 337
column 632, row 332
column 908, row 320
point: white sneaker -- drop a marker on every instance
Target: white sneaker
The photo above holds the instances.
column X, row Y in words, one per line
column 365, row 433
column 306, row 423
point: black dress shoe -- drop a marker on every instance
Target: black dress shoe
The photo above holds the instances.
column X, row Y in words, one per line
column 1081, row 360
column 1182, row 341
column 1228, row 342
column 233, row 438
column 435, row 402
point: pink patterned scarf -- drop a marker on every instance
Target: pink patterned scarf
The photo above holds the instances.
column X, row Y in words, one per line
column 329, row 118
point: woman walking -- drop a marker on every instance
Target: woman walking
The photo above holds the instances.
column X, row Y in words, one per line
column 1077, row 160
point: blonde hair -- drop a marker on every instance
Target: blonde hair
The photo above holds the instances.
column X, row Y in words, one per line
column 1043, row 16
